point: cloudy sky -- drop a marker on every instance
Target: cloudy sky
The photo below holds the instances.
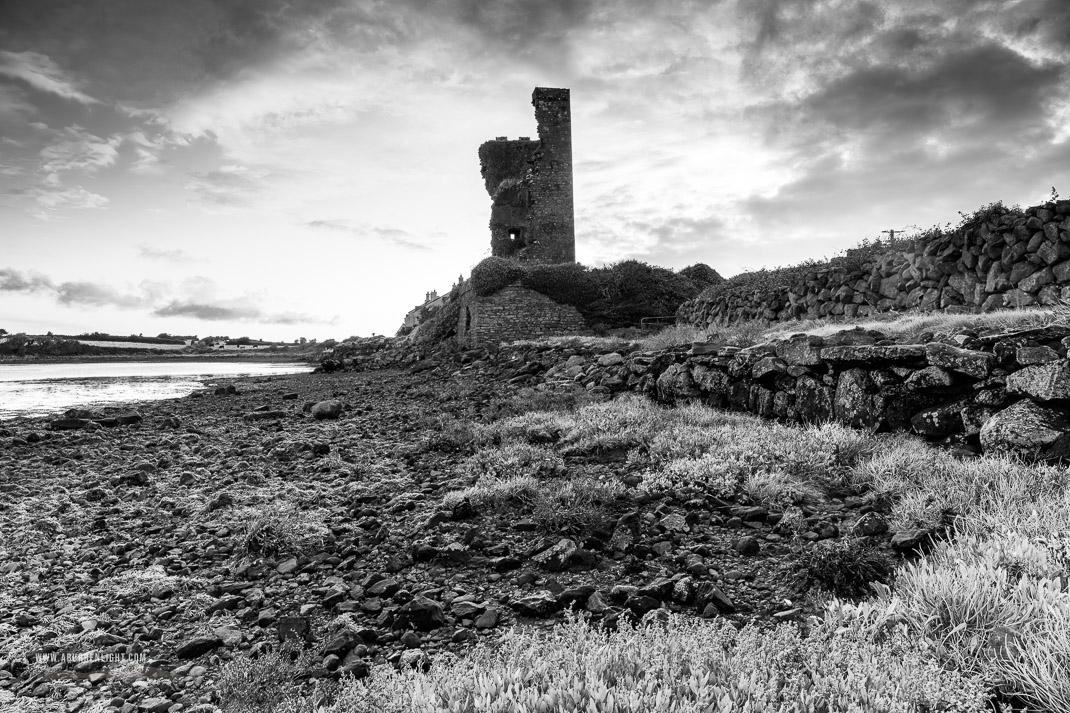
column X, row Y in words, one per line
column 287, row 168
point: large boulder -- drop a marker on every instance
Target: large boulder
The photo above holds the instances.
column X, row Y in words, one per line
column 1026, row 429
column 421, row 614
column 676, row 383
column 332, row 408
column 964, row 361
column 865, row 355
column 539, row 605
column 931, row 377
column 856, row 403
column 801, row 350
column 557, row 557
column 939, row 421
column 711, row 380
column 1044, row 382
column 814, row 401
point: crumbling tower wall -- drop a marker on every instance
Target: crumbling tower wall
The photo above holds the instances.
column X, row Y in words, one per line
column 551, row 184
column 530, row 182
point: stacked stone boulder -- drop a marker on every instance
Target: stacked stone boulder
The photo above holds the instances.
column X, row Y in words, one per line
column 1000, row 393
column 1001, row 260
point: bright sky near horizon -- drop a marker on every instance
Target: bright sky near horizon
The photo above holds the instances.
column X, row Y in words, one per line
column 287, row 168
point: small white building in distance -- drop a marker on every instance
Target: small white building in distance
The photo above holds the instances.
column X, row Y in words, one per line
column 432, row 301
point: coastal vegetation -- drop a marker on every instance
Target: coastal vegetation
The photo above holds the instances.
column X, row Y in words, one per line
column 981, row 616
column 720, row 561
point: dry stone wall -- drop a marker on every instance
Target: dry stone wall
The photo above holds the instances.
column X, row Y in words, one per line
column 1001, row 393
column 1002, row 260
column 513, row 313
column 974, row 392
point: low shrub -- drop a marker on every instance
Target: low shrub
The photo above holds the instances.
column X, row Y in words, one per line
column 777, row 489
column 611, row 297
column 513, row 460
column 450, row 435
column 633, row 290
column 702, row 273
column 531, row 427
column 621, row 424
column 715, row 474
column 745, row 333
column 846, row 567
column 536, row 400
column 566, row 283
column 266, row 683
column 999, row 608
column 497, row 494
column 925, row 484
column 494, row 273
column 280, row 527
column 575, row 506
column 674, row 336
column 681, row 666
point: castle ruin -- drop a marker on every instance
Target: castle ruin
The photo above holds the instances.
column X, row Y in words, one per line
column 530, row 183
column 531, row 220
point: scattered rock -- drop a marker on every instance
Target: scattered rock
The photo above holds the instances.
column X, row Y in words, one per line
column 748, row 546
column 263, row 415
column 539, row 605
column 1043, row 382
column 964, row 361
column 421, row 613
column 197, row 646
column 910, row 540
column 330, row 409
column 1026, row 428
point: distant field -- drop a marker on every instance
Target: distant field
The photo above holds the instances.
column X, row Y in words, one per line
column 131, row 345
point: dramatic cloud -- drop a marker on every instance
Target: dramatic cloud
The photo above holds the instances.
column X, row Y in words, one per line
column 50, row 199
column 15, row 281
column 682, row 236
column 42, row 74
column 176, row 256
column 229, row 186
column 338, row 133
column 81, row 293
column 91, row 294
column 219, row 313
column 158, row 297
column 13, row 106
column 393, row 236
column 78, row 149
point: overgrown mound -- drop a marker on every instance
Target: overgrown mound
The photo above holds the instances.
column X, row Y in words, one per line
column 610, row 297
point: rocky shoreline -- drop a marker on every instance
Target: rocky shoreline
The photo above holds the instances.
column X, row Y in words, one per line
column 142, row 553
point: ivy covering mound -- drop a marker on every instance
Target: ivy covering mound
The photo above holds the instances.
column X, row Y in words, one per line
column 615, row 296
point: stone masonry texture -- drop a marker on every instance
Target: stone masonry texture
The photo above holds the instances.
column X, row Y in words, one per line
column 530, row 184
column 514, row 313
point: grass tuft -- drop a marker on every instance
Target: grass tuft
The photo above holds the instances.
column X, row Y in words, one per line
column 847, row 567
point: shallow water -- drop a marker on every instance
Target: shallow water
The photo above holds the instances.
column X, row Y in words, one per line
column 49, row 388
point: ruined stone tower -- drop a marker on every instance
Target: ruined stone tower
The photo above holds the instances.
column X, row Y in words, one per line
column 530, row 182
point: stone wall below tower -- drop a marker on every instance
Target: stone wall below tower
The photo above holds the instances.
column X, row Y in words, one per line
column 513, row 313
